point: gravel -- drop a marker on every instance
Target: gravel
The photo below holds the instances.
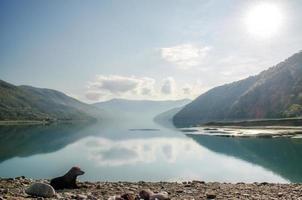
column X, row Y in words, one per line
column 14, row 188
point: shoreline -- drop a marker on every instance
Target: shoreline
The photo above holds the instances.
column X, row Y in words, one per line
column 258, row 122
column 37, row 122
column 13, row 188
column 23, row 122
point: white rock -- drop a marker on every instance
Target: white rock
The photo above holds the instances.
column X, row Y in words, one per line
column 40, row 190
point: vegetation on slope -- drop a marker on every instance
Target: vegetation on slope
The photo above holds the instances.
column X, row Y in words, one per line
column 274, row 93
column 29, row 103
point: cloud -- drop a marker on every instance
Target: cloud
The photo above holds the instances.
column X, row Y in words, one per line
column 185, row 55
column 146, row 91
column 131, row 87
column 108, row 152
column 168, row 86
column 118, row 86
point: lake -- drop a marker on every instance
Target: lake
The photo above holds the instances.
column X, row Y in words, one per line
column 145, row 151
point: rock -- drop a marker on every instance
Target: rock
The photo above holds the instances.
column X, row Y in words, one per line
column 68, row 194
column 159, row 196
column 116, row 198
column 145, row 194
column 198, row 182
column 263, row 183
column 40, row 190
column 4, row 191
column 128, row 196
column 81, row 197
column 280, row 194
column 211, row 196
column 91, row 197
column 20, row 177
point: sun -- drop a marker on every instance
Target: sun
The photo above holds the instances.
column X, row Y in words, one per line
column 264, row 20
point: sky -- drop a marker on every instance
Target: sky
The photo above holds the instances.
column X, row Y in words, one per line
column 139, row 49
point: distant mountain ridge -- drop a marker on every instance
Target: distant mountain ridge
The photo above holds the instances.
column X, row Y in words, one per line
column 274, row 93
column 139, row 109
column 30, row 103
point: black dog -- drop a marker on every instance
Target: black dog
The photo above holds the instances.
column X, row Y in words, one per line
column 68, row 181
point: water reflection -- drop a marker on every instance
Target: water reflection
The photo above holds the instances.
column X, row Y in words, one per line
column 114, row 152
column 27, row 140
column 283, row 156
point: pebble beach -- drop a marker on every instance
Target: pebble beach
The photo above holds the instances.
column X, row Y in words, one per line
column 15, row 189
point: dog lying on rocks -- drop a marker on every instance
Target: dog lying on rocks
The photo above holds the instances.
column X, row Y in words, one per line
column 68, row 181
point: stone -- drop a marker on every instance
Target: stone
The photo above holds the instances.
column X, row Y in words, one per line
column 145, row 194
column 198, row 182
column 81, row 197
column 4, row 191
column 91, row 197
column 211, row 196
column 128, row 196
column 68, row 194
column 20, row 177
column 159, row 196
column 40, row 190
column 115, row 198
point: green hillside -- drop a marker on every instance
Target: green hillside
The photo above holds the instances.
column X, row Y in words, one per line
column 274, row 93
column 29, row 103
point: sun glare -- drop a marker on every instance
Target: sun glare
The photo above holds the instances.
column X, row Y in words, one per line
column 264, row 20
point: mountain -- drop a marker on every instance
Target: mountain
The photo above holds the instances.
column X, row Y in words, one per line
column 137, row 109
column 274, row 93
column 30, row 103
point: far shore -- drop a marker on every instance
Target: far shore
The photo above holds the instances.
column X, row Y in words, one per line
column 258, row 122
column 36, row 122
column 14, row 188
column 22, row 122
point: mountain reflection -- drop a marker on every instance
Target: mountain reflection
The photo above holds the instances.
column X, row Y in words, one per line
column 27, row 140
column 282, row 156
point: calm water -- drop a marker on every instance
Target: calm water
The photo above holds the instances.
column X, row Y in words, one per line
column 145, row 151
